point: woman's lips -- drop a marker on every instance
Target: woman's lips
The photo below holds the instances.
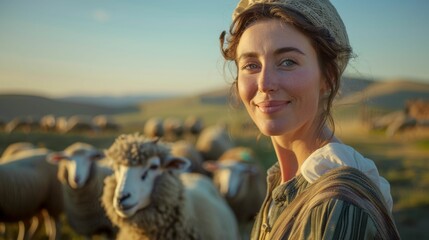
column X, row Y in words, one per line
column 271, row 106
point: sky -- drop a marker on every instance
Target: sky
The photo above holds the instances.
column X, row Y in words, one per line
column 110, row 47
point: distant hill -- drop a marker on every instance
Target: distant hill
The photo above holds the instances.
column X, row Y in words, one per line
column 389, row 94
column 350, row 85
column 12, row 106
column 117, row 101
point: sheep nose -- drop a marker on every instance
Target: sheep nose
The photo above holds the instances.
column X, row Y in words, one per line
column 76, row 179
column 124, row 197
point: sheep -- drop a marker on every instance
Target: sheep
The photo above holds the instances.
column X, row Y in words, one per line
column 241, row 181
column 61, row 124
column 104, row 123
column 151, row 197
column 48, row 123
column 193, row 125
column 154, row 127
column 82, row 180
column 79, row 123
column 187, row 150
column 22, row 124
column 15, row 148
column 173, row 129
column 213, row 142
column 28, row 188
column 17, row 151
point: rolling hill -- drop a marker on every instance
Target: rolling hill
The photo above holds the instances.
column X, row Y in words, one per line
column 388, row 94
column 12, row 106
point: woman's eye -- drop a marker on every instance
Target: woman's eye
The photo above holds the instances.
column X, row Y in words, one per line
column 287, row 63
column 250, row 66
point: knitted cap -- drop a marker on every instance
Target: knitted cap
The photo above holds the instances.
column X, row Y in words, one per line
column 321, row 13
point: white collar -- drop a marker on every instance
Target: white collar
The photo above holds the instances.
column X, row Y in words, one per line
column 335, row 155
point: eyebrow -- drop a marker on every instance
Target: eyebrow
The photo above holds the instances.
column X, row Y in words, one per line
column 276, row 52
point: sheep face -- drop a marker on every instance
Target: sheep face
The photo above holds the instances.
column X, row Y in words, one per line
column 77, row 160
column 230, row 175
column 135, row 183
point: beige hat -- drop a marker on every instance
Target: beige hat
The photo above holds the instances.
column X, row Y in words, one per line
column 319, row 12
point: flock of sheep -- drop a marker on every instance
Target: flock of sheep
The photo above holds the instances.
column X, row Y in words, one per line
column 141, row 187
column 60, row 124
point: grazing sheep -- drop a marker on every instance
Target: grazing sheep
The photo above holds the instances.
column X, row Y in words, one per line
column 79, row 124
column 104, row 123
column 150, row 197
column 173, row 129
column 15, row 148
column 213, row 142
column 61, row 124
column 193, row 125
column 242, row 182
column 83, row 182
column 187, row 150
column 22, row 124
column 17, row 151
column 154, row 127
column 48, row 123
column 28, row 188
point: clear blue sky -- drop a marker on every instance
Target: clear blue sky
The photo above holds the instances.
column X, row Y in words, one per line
column 111, row 47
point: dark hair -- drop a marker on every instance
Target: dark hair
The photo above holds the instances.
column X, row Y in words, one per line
column 328, row 51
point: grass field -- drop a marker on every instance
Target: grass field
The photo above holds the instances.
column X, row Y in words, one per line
column 402, row 159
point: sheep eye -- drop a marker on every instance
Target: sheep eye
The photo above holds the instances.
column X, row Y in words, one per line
column 153, row 167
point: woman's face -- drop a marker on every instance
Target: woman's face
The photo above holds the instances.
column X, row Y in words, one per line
column 279, row 79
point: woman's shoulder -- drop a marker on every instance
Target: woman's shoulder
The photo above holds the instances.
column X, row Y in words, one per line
column 341, row 219
column 337, row 155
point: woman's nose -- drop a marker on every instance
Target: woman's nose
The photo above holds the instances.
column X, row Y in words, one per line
column 267, row 81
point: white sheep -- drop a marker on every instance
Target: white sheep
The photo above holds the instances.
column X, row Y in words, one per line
column 173, row 129
column 14, row 152
column 241, row 181
column 14, row 149
column 83, row 181
column 105, row 123
column 80, row 123
column 150, row 196
column 187, row 150
column 193, row 125
column 153, row 127
column 213, row 141
column 29, row 188
column 48, row 122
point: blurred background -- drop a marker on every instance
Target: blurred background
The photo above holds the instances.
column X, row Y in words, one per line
column 91, row 70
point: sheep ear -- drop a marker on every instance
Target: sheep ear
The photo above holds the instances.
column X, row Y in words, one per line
column 211, row 166
column 55, row 158
column 177, row 164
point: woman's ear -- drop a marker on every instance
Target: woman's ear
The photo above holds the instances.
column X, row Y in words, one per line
column 324, row 89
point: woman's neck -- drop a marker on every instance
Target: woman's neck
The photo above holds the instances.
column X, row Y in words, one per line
column 292, row 152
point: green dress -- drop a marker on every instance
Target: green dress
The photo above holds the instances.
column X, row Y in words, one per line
column 332, row 219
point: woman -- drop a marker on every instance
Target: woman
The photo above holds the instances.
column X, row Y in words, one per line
column 290, row 55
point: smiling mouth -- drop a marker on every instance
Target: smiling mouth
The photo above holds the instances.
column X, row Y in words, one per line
column 272, row 106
